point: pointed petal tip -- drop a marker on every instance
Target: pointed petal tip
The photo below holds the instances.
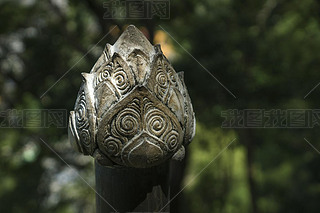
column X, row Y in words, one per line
column 132, row 33
column 131, row 27
column 132, row 38
column 84, row 75
column 181, row 75
column 157, row 48
column 87, row 77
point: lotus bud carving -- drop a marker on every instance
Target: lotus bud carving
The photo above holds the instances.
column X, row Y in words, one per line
column 132, row 109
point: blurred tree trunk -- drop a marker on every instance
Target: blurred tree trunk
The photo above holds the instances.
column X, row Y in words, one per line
column 248, row 137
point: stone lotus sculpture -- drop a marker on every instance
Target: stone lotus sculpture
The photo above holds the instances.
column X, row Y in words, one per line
column 132, row 109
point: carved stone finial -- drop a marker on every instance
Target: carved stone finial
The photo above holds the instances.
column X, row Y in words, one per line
column 132, row 109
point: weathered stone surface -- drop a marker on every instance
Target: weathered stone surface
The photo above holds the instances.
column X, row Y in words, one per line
column 132, row 109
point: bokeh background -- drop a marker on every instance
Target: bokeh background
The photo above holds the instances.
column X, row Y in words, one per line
column 267, row 53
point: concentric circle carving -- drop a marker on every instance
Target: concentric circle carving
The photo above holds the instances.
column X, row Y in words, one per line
column 85, row 136
column 162, row 79
column 81, row 113
column 82, row 123
column 127, row 122
column 156, row 122
column 121, row 80
column 104, row 74
column 172, row 140
column 112, row 146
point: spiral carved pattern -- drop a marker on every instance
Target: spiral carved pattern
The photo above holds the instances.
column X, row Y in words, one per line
column 117, row 73
column 112, row 145
column 172, row 140
column 104, row 73
column 127, row 122
column 82, row 122
column 121, row 80
column 157, row 122
column 140, row 117
column 85, row 136
column 81, row 112
column 162, row 79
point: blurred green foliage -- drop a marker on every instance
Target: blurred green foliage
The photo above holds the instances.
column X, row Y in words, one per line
column 265, row 52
